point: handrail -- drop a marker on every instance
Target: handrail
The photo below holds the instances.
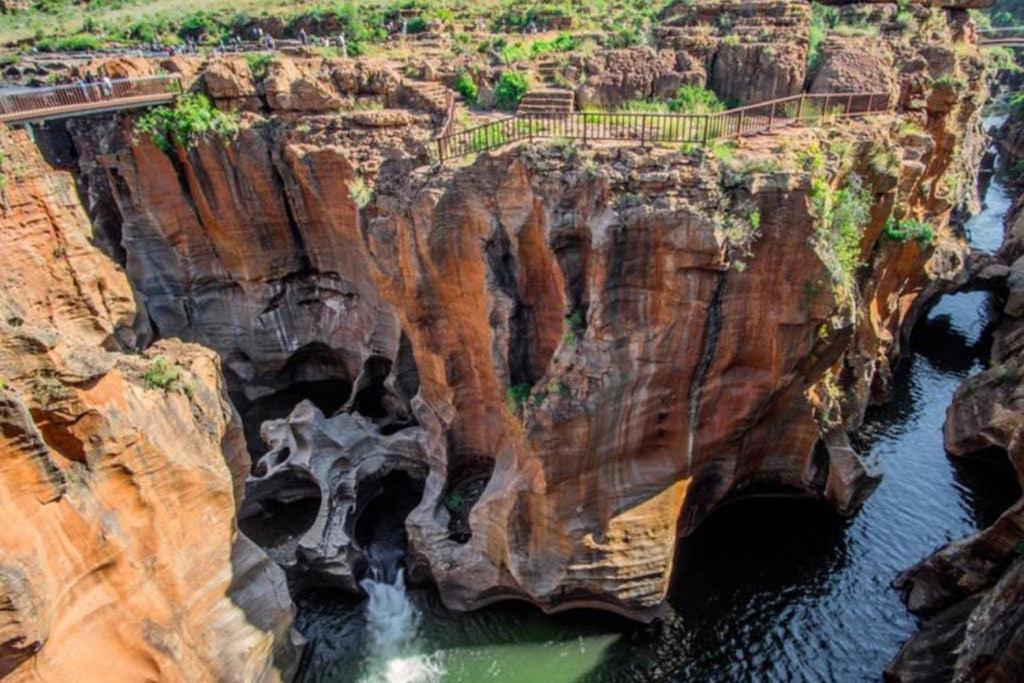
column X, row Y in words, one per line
column 86, row 96
column 1001, row 42
column 673, row 128
column 1003, row 29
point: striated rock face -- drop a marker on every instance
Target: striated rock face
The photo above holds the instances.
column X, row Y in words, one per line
column 563, row 359
column 120, row 558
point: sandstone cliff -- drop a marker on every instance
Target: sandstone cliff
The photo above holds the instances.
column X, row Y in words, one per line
column 576, row 354
column 120, row 474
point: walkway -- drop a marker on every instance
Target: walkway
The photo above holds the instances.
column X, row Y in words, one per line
column 41, row 104
column 675, row 129
column 1008, row 36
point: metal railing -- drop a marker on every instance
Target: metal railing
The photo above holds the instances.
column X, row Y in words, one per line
column 655, row 128
column 42, row 102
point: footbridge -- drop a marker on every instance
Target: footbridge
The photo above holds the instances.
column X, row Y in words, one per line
column 36, row 105
column 1009, row 36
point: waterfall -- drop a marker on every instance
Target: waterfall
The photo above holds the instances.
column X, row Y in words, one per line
column 392, row 624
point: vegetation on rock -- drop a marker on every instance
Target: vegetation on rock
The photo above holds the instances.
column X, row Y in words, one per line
column 189, row 119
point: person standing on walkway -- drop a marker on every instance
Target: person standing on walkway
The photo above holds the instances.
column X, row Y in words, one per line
column 106, row 86
column 303, row 38
column 342, row 46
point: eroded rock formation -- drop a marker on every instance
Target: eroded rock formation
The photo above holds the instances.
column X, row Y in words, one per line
column 575, row 355
column 121, row 559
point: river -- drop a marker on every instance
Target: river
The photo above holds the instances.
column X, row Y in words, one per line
column 765, row 590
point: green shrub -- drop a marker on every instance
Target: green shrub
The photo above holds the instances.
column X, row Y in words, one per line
column 510, row 90
column 823, row 19
column 199, row 25
column 1017, row 105
column 161, row 374
column 693, row 99
column 755, row 220
column 190, row 118
column 417, row 25
column 841, row 214
column 623, row 37
column 575, row 324
column 466, row 86
column 517, row 396
column 907, row 229
column 453, row 501
column 360, row 192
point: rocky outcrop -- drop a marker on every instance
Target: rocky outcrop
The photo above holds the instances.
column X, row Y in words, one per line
column 340, row 463
column 752, row 51
column 612, row 77
column 113, row 464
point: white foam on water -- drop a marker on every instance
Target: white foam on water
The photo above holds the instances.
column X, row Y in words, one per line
column 392, row 623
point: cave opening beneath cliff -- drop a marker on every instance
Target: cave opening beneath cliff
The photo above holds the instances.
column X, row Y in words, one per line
column 382, row 506
column 278, row 512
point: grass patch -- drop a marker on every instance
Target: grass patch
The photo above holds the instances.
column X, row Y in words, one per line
column 161, row 374
column 259, row 64
column 82, row 42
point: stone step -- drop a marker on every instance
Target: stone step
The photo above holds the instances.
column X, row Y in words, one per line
column 548, row 97
column 548, row 102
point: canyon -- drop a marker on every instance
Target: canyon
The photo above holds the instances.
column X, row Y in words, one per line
column 229, row 363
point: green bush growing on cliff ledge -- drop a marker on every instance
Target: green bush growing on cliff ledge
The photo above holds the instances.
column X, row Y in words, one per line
column 191, row 118
column 908, row 229
column 517, row 396
column 841, row 214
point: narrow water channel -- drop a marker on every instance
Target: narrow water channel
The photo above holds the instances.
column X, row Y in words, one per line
column 769, row 590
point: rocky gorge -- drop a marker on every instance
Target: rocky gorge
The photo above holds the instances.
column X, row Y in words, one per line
column 542, row 365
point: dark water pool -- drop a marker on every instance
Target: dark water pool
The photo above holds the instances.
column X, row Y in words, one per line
column 766, row 590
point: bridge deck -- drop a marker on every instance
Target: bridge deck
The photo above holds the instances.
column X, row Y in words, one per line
column 42, row 104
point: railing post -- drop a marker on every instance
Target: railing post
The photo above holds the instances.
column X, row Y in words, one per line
column 584, row 115
column 849, row 104
column 739, row 124
column 707, row 127
column 871, row 102
column 529, row 126
column 771, row 117
column 643, row 130
column 800, row 108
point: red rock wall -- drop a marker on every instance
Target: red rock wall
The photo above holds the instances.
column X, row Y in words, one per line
column 121, row 559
